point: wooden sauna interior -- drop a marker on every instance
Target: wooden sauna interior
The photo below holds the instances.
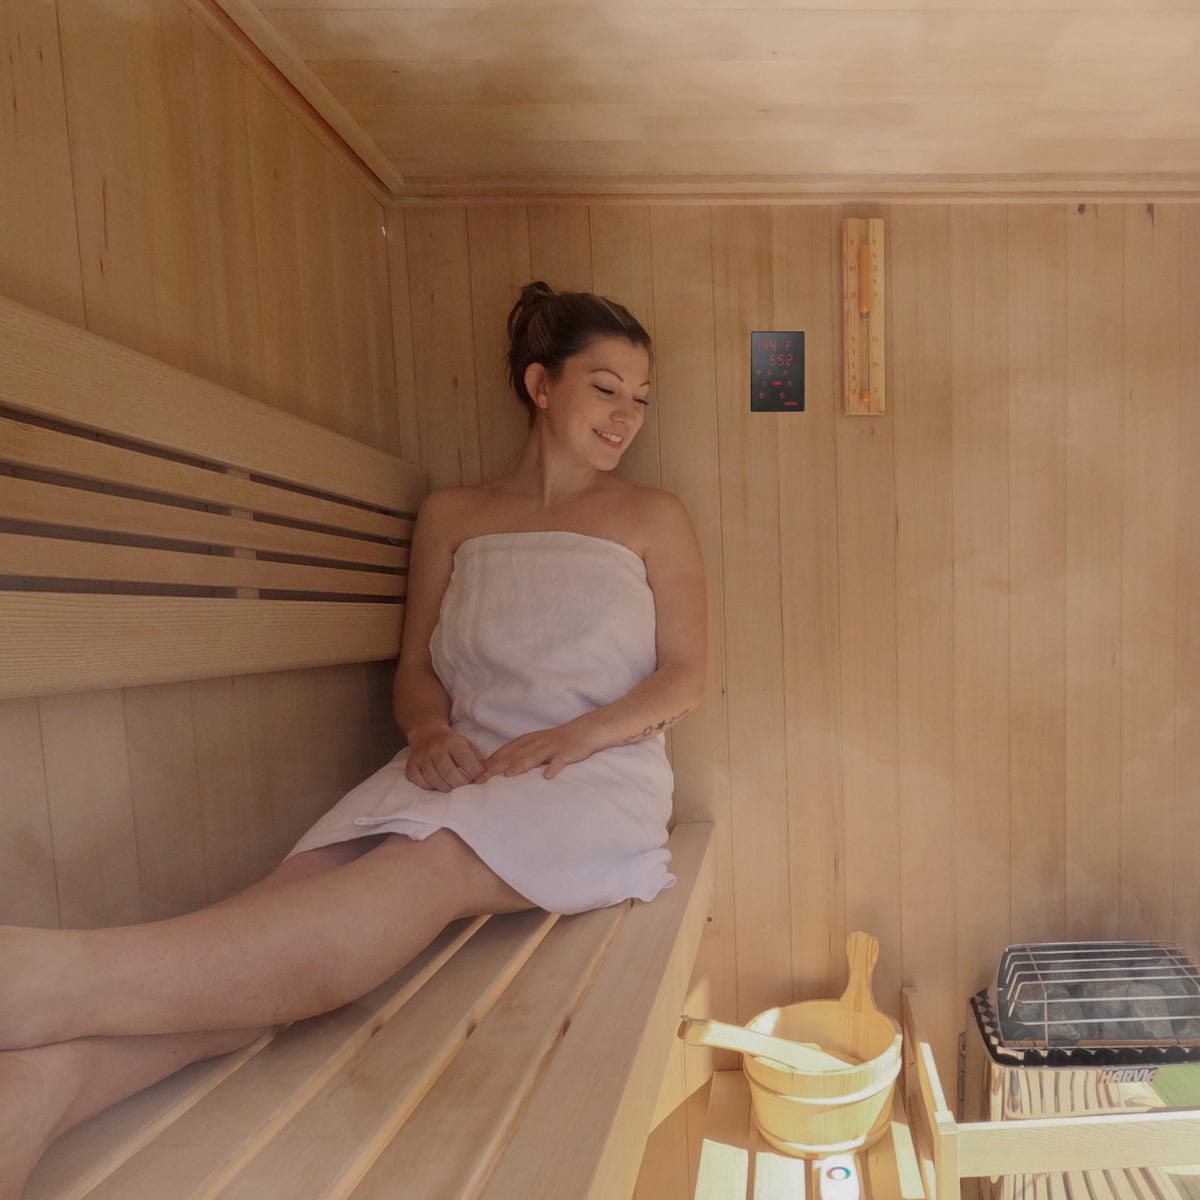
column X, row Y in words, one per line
column 955, row 657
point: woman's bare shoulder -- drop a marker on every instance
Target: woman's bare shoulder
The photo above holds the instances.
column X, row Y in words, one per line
column 657, row 516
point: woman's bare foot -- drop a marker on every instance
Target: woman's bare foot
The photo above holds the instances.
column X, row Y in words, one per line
column 34, row 1095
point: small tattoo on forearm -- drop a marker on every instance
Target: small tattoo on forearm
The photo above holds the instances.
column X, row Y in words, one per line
column 651, row 730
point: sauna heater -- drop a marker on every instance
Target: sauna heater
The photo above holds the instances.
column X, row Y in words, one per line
column 1077, row 1028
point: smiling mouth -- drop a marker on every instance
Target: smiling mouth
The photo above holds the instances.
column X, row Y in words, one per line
column 613, row 439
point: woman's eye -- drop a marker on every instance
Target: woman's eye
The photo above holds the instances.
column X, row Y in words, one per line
column 643, row 400
column 605, row 391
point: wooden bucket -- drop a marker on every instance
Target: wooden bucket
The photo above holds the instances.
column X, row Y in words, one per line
column 816, row 1113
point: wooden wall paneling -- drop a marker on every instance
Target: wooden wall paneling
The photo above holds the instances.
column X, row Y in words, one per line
column 91, row 809
column 349, row 298
column 164, row 82
column 560, row 247
column 161, row 743
column 399, row 290
column 273, row 186
column 499, row 248
column 225, row 785
column 1149, row 619
column 980, row 366
column 321, row 726
column 1037, row 506
column 384, row 740
column 39, row 254
column 283, row 806
column 621, row 269
column 867, row 626
column 323, row 403
column 685, row 393
column 802, row 241
column 28, row 893
column 749, row 483
column 231, row 229
column 1095, row 312
column 924, row 405
column 372, row 248
column 444, row 356
column 114, row 253
column 1186, row 871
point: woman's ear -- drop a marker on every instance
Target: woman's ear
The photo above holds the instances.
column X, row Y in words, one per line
column 536, row 381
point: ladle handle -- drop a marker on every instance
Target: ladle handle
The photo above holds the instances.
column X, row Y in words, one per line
column 862, row 952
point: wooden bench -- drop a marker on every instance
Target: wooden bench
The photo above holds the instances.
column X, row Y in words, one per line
column 157, row 527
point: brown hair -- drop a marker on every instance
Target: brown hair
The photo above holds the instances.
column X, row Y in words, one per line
column 548, row 327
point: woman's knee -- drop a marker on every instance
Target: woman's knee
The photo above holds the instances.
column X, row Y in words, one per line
column 476, row 888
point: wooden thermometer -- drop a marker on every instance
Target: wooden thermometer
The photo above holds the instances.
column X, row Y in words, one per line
column 863, row 316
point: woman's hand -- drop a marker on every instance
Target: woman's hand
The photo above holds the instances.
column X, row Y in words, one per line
column 442, row 760
column 554, row 748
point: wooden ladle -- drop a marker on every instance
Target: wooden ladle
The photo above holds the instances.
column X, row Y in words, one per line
column 795, row 1056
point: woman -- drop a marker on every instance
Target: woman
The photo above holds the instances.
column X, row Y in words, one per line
column 555, row 626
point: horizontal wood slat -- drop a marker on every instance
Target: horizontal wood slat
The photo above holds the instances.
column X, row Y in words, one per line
column 51, row 642
column 48, row 450
column 64, row 558
column 57, row 370
column 29, row 500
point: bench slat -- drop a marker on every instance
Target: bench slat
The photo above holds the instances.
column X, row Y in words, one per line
column 333, row 1142
column 583, row 1134
column 278, row 1071
column 447, row 1148
column 29, row 500
column 64, row 558
column 52, row 642
column 33, row 446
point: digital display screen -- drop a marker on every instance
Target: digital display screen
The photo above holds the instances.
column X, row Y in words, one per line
column 776, row 371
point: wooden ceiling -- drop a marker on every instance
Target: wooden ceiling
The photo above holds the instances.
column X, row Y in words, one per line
column 787, row 97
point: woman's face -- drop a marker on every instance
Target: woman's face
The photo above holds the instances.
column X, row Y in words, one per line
column 598, row 403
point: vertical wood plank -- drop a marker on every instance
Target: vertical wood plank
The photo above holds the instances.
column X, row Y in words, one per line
column 163, row 784
column 1186, row 872
column 560, row 250
column 408, row 433
column 372, row 246
column 980, row 367
column 803, row 240
column 164, row 82
column 685, row 393
column 91, row 809
column 115, row 263
column 273, row 188
column 230, row 233
column 443, row 353
column 28, row 893
column 225, row 786
column 1095, row 269
column 499, row 242
column 621, row 269
column 749, row 480
column 922, row 401
column 322, row 401
column 867, row 648
column 39, row 266
column 1037, row 506
column 1150, row 516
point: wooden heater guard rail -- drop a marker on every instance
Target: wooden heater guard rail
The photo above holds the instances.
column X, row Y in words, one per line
column 155, row 526
column 952, row 1151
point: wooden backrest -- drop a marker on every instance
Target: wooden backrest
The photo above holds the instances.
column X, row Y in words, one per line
column 155, row 526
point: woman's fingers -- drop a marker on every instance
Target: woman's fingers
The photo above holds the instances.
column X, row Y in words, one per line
column 452, row 762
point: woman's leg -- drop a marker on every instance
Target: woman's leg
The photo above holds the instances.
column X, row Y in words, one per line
column 46, row 1090
column 306, row 940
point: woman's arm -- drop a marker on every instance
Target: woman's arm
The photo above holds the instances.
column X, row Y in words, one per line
column 675, row 572
column 439, row 759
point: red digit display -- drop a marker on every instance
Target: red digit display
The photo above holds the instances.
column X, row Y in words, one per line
column 777, row 371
